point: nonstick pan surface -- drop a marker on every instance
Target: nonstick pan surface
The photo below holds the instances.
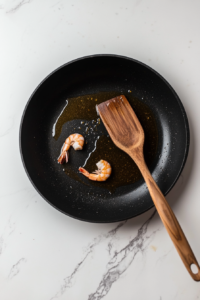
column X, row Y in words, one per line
column 89, row 75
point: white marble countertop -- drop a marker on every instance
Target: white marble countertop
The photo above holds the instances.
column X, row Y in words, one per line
column 45, row 254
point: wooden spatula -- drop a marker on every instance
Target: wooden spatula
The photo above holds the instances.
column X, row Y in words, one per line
column 127, row 133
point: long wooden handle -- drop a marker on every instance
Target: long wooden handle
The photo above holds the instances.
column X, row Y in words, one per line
column 168, row 218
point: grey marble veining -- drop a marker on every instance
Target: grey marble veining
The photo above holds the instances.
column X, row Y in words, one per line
column 13, row 6
column 121, row 260
column 89, row 249
column 16, row 268
column 8, row 230
column 68, row 280
column 163, row 257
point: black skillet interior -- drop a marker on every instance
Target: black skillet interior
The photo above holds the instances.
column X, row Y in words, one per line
column 89, row 75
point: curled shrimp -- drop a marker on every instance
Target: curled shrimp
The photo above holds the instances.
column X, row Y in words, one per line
column 103, row 172
column 76, row 141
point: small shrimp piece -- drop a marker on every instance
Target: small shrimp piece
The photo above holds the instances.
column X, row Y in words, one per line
column 76, row 141
column 103, row 172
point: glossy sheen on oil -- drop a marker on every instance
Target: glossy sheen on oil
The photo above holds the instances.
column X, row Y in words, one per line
column 124, row 170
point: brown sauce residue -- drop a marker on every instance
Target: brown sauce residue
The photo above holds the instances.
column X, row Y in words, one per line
column 82, row 107
column 124, row 170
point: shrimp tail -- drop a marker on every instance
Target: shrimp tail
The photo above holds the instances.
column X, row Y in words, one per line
column 67, row 156
column 62, row 158
column 84, row 172
column 87, row 174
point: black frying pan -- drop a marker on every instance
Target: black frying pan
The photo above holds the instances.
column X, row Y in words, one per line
column 89, row 75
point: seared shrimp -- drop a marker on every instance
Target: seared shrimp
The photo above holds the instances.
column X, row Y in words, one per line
column 103, row 172
column 76, row 141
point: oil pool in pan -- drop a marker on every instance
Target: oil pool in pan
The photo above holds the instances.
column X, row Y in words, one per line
column 124, row 170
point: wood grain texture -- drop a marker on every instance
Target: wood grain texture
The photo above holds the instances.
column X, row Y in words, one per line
column 127, row 133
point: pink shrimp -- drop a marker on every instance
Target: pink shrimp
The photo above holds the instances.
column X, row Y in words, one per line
column 75, row 140
column 103, row 172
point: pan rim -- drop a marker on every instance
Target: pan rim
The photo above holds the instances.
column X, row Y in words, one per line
column 186, row 129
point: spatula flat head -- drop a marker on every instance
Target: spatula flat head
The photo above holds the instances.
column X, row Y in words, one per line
column 121, row 123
